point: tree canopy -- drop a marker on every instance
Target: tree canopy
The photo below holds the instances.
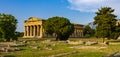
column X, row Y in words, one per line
column 7, row 27
column 106, row 23
column 60, row 26
column 88, row 31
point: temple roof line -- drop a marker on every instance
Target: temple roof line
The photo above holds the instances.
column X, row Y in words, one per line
column 32, row 19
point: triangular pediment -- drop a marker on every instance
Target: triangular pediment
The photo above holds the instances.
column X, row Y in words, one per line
column 34, row 19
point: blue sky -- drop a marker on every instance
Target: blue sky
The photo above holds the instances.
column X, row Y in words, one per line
column 78, row 11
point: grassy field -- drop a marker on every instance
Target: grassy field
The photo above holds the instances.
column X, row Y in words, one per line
column 53, row 47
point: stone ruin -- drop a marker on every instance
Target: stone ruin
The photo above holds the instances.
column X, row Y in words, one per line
column 10, row 46
column 82, row 42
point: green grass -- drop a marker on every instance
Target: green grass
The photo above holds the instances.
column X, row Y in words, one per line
column 87, row 54
column 61, row 47
column 28, row 52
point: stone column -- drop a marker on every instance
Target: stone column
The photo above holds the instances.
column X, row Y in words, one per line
column 34, row 31
column 38, row 30
column 30, row 30
column 24, row 31
column 74, row 33
column 41, row 31
column 27, row 31
column 82, row 33
column 79, row 33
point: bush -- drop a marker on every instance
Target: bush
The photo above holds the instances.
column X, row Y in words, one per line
column 87, row 35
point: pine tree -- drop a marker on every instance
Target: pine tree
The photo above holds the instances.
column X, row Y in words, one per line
column 106, row 23
column 60, row 26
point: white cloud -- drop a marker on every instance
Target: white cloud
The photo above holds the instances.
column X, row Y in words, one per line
column 94, row 5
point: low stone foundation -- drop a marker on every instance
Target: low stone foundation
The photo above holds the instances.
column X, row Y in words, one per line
column 10, row 46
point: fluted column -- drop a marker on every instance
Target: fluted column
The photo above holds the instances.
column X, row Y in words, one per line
column 27, row 30
column 34, row 31
column 78, row 33
column 24, row 31
column 75, row 32
column 38, row 30
column 81, row 33
column 41, row 31
column 30, row 30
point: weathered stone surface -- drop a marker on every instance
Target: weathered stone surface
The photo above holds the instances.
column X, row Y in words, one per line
column 75, row 42
column 91, row 43
column 2, row 49
column 82, row 42
column 8, row 47
column 46, row 41
column 48, row 48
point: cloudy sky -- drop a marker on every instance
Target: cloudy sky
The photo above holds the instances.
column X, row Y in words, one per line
column 78, row 11
column 94, row 5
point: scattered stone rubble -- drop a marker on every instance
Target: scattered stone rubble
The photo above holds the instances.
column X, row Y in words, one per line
column 75, row 42
column 46, row 41
column 88, row 47
column 11, row 46
column 82, row 42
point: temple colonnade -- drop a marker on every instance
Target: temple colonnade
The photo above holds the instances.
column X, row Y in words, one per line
column 32, row 31
column 33, row 27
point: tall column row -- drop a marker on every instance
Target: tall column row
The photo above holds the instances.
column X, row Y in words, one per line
column 32, row 31
column 77, row 33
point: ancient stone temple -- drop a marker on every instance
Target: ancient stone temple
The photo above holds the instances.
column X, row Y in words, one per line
column 33, row 28
column 78, row 32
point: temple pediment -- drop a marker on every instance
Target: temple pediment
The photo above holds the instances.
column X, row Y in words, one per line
column 34, row 19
